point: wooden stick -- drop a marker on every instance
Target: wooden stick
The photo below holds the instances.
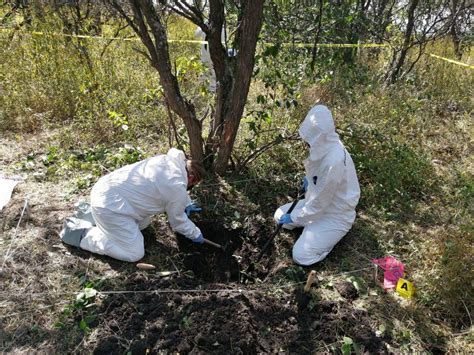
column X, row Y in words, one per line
column 144, row 266
column 310, row 280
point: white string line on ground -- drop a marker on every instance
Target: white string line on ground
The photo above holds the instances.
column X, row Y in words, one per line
column 169, row 291
column 360, row 254
column 7, row 254
column 32, row 310
column 199, row 290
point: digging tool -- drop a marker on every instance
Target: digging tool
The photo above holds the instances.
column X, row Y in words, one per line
column 207, row 241
column 216, row 245
column 251, row 268
column 278, row 228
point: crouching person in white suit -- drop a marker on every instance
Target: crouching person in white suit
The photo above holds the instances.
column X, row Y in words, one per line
column 332, row 191
column 123, row 201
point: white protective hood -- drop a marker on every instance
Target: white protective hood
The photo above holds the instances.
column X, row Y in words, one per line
column 333, row 189
column 319, row 132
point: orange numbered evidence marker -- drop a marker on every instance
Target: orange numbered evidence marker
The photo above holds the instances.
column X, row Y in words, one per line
column 405, row 288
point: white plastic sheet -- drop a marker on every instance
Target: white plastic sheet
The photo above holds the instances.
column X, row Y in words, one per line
column 6, row 189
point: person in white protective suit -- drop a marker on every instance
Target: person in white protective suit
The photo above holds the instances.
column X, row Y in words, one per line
column 332, row 191
column 206, row 60
column 123, row 201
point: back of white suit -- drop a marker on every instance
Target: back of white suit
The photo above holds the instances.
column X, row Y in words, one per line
column 123, row 201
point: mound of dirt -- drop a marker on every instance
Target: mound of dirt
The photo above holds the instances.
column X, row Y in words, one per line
column 225, row 321
column 214, row 312
column 347, row 290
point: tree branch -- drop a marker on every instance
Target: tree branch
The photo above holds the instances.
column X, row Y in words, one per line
column 189, row 12
column 115, row 35
column 316, row 37
column 127, row 18
column 256, row 153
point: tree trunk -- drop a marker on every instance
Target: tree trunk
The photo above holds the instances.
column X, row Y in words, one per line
column 233, row 73
column 160, row 60
column 222, row 71
column 453, row 29
column 407, row 43
column 456, row 41
column 314, row 51
column 246, row 40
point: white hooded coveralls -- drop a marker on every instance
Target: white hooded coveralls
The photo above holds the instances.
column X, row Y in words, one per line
column 123, row 201
column 328, row 210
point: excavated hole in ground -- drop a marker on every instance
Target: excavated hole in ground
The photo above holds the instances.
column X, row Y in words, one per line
column 212, row 264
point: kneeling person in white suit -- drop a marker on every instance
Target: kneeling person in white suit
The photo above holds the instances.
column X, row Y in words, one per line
column 332, row 191
column 123, row 201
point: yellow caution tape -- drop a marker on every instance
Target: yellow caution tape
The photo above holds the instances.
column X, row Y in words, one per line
column 37, row 33
column 187, row 41
column 331, row 45
column 452, row 61
column 286, row 44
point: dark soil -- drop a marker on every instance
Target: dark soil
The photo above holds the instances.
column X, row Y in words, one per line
column 347, row 290
column 254, row 319
column 210, row 263
column 235, row 263
column 224, row 322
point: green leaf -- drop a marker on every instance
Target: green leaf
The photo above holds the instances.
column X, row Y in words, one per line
column 347, row 345
column 261, row 99
column 59, row 325
column 346, row 349
column 83, row 326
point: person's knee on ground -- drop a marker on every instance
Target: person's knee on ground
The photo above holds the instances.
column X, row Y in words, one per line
column 144, row 223
column 97, row 242
column 134, row 255
column 305, row 257
column 316, row 242
column 114, row 236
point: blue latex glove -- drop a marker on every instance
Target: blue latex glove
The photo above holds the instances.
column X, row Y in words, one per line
column 285, row 219
column 192, row 208
column 304, row 185
column 199, row 239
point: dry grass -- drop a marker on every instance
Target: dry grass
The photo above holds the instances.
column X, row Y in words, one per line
column 430, row 116
column 41, row 276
